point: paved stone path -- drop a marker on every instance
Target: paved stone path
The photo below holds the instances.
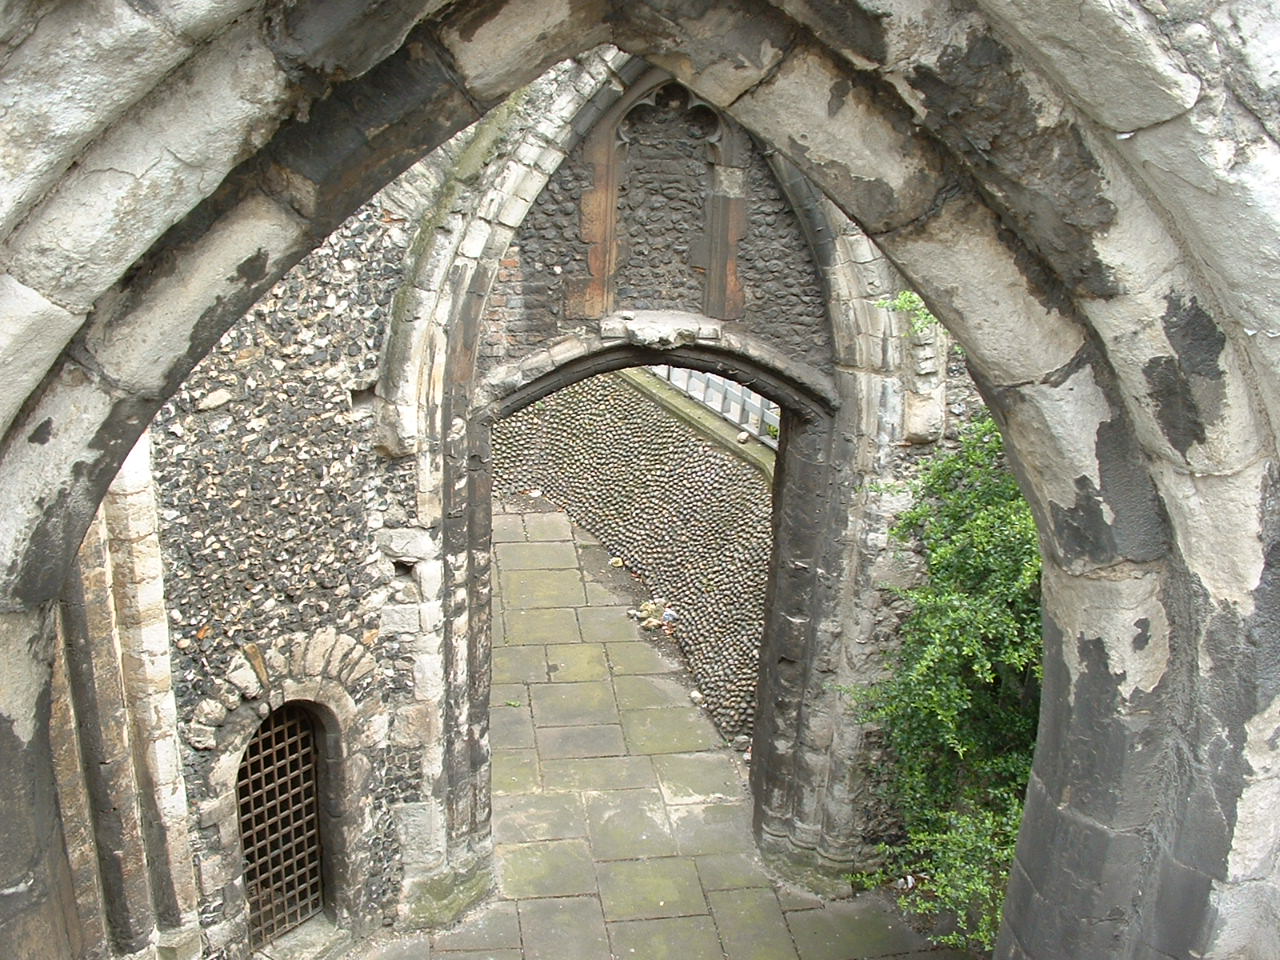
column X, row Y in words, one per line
column 621, row 821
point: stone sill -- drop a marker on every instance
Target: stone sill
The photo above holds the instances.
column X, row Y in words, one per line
column 315, row 939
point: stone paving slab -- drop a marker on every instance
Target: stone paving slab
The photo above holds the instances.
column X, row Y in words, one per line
column 602, row 773
column 598, row 594
column 508, row 695
column 546, row 625
column 751, row 924
column 522, row 589
column 551, row 868
column 577, row 662
column 519, row 664
column 494, row 927
column 514, row 771
column 638, row 692
column 731, row 871
column 507, row 527
column 564, row 928
column 547, row 526
column 638, row 656
column 628, row 824
column 644, row 889
column 698, row 777
column 671, row 730
column 601, row 624
column 680, row 938
column 793, row 898
column 412, row 948
column 585, row 740
column 567, row 704
column 702, row 828
column 529, row 817
column 511, row 726
column 851, row 930
column 542, row 555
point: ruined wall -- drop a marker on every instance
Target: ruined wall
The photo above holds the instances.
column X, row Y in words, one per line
column 171, row 164
column 686, row 515
column 270, row 495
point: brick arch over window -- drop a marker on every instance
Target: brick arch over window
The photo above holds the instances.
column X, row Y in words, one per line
column 1123, row 343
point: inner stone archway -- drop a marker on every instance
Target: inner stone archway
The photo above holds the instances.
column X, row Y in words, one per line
column 794, row 807
column 1132, row 384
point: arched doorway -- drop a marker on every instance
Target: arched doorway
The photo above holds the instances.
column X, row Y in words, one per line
column 278, row 790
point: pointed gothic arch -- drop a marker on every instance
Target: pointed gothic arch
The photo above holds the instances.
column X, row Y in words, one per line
column 1116, row 336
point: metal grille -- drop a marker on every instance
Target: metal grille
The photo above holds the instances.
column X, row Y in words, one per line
column 740, row 406
column 280, row 824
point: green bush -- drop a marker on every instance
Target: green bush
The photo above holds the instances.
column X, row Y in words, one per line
column 918, row 316
column 958, row 713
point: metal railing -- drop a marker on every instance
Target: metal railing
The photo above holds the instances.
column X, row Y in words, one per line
column 731, row 400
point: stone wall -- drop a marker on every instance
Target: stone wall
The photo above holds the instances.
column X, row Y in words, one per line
column 270, row 495
column 172, row 163
column 663, row 201
column 690, row 518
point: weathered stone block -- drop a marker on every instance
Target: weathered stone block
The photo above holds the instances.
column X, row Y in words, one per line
column 846, row 140
column 435, row 898
column 201, row 737
column 1098, row 48
column 400, row 618
column 923, row 416
column 241, row 673
column 421, row 837
column 141, row 346
column 1022, row 339
column 130, row 186
column 722, row 50
column 79, row 70
column 500, row 48
column 33, row 332
column 407, row 543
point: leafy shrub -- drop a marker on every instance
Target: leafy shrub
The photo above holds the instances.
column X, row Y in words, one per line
column 959, row 712
column 908, row 301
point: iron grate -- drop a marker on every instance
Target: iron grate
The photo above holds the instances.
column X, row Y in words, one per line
column 280, row 824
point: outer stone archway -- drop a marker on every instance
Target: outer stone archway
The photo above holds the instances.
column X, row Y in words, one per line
column 1125, row 342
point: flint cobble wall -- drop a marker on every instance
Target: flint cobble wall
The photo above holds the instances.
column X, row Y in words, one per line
column 689, row 518
column 269, row 493
column 666, row 241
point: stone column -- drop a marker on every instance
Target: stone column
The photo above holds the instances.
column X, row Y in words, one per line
column 37, row 902
column 138, row 594
column 93, row 667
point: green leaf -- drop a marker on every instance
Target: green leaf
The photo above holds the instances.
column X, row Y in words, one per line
column 959, row 711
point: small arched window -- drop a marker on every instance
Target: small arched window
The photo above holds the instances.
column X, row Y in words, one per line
column 280, row 823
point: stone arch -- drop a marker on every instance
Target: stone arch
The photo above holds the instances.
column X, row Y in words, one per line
column 432, row 394
column 1127, row 347
column 316, row 675
column 445, row 388
column 790, row 826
